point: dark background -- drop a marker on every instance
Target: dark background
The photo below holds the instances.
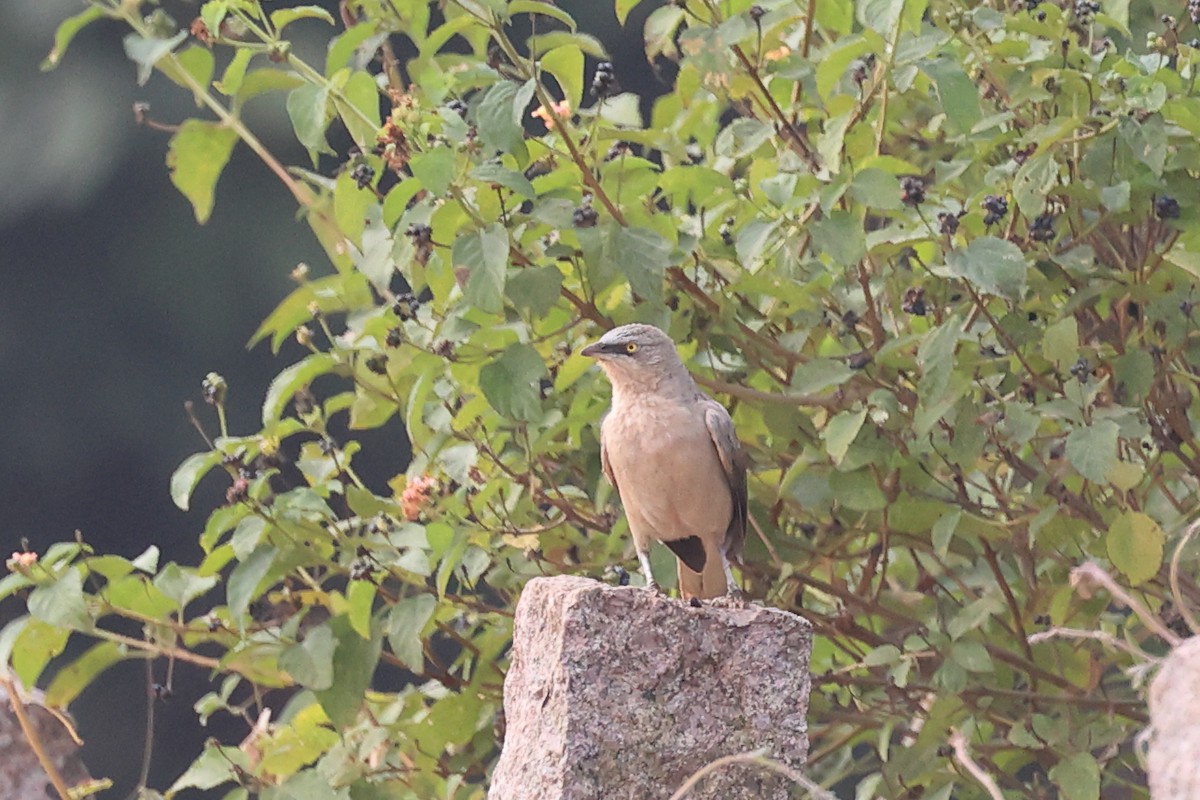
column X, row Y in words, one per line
column 114, row 304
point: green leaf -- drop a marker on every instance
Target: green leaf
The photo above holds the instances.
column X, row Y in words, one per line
column 286, row 16
column 1093, row 450
column 500, row 114
column 215, row 766
column 360, row 599
column 510, row 383
column 434, row 168
column 183, row 585
column 1078, row 777
column 623, row 7
column 1135, row 546
column 354, row 662
column 484, row 256
column 959, row 94
column 566, row 65
column 67, row 30
column 308, row 109
column 1036, row 177
column 310, row 662
column 991, row 265
column 820, row 374
column 29, row 644
column 62, row 603
column 535, row 289
column 1060, row 344
column 245, row 578
column 840, row 431
column 231, row 80
column 971, row 656
column 197, row 153
column 146, row 52
column 641, row 255
column 189, row 473
column 291, row 380
column 541, row 7
column 406, row 623
column 72, row 679
column 509, row 179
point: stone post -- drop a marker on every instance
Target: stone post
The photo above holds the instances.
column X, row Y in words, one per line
column 620, row 694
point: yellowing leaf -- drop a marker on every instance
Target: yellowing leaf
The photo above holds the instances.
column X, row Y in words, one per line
column 1135, row 546
column 198, row 152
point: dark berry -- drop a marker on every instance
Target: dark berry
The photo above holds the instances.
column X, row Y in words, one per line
column 584, row 216
column 458, row 107
column 362, row 174
column 604, row 82
column 543, row 166
column 1042, row 228
column 406, row 306
column 1081, row 369
column 1187, row 306
column 444, row 349
column 859, row 360
column 947, row 223
column 912, row 191
column 1193, row 9
column 617, row 150
column 378, row 364
column 1166, row 207
column 394, row 338
column 757, row 12
column 914, row 302
column 996, row 207
column 360, row 570
column 420, row 234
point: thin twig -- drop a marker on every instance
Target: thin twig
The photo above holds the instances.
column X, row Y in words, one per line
column 962, row 755
column 1099, row 636
column 754, row 758
column 1086, row 575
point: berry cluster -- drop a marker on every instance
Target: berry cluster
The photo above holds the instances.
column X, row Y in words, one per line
column 1081, row 370
column 395, row 337
column 406, row 306
column 1193, row 10
column 996, row 207
column 422, row 241
column 362, row 174
column 948, row 223
column 378, row 364
column 1086, row 9
column 1042, row 228
column 1166, row 207
column 604, row 82
column 912, row 191
column 584, row 215
column 458, row 107
column 914, row 302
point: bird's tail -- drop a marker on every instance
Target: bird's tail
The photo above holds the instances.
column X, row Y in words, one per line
column 704, row 585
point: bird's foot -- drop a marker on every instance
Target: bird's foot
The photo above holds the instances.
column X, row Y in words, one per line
column 733, row 598
column 653, row 588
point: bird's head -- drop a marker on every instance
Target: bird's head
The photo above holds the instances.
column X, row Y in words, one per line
column 638, row 356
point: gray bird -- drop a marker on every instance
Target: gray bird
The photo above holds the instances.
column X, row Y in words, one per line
column 672, row 454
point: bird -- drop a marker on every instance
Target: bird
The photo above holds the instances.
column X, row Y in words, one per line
column 673, row 456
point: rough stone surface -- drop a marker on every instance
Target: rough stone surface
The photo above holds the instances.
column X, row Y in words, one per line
column 1173, row 760
column 619, row 694
column 21, row 774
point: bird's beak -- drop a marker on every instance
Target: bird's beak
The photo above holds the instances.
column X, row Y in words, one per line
column 594, row 350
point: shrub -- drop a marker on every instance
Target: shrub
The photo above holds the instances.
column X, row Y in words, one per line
column 938, row 257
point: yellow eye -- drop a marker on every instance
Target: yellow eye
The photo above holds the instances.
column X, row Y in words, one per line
column 631, row 347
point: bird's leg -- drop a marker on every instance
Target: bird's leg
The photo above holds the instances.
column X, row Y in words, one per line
column 644, row 560
column 732, row 590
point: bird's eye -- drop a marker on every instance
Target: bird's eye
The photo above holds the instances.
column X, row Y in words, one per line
column 631, row 347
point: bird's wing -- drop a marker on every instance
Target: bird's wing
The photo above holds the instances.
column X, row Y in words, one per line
column 733, row 461
column 604, row 463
